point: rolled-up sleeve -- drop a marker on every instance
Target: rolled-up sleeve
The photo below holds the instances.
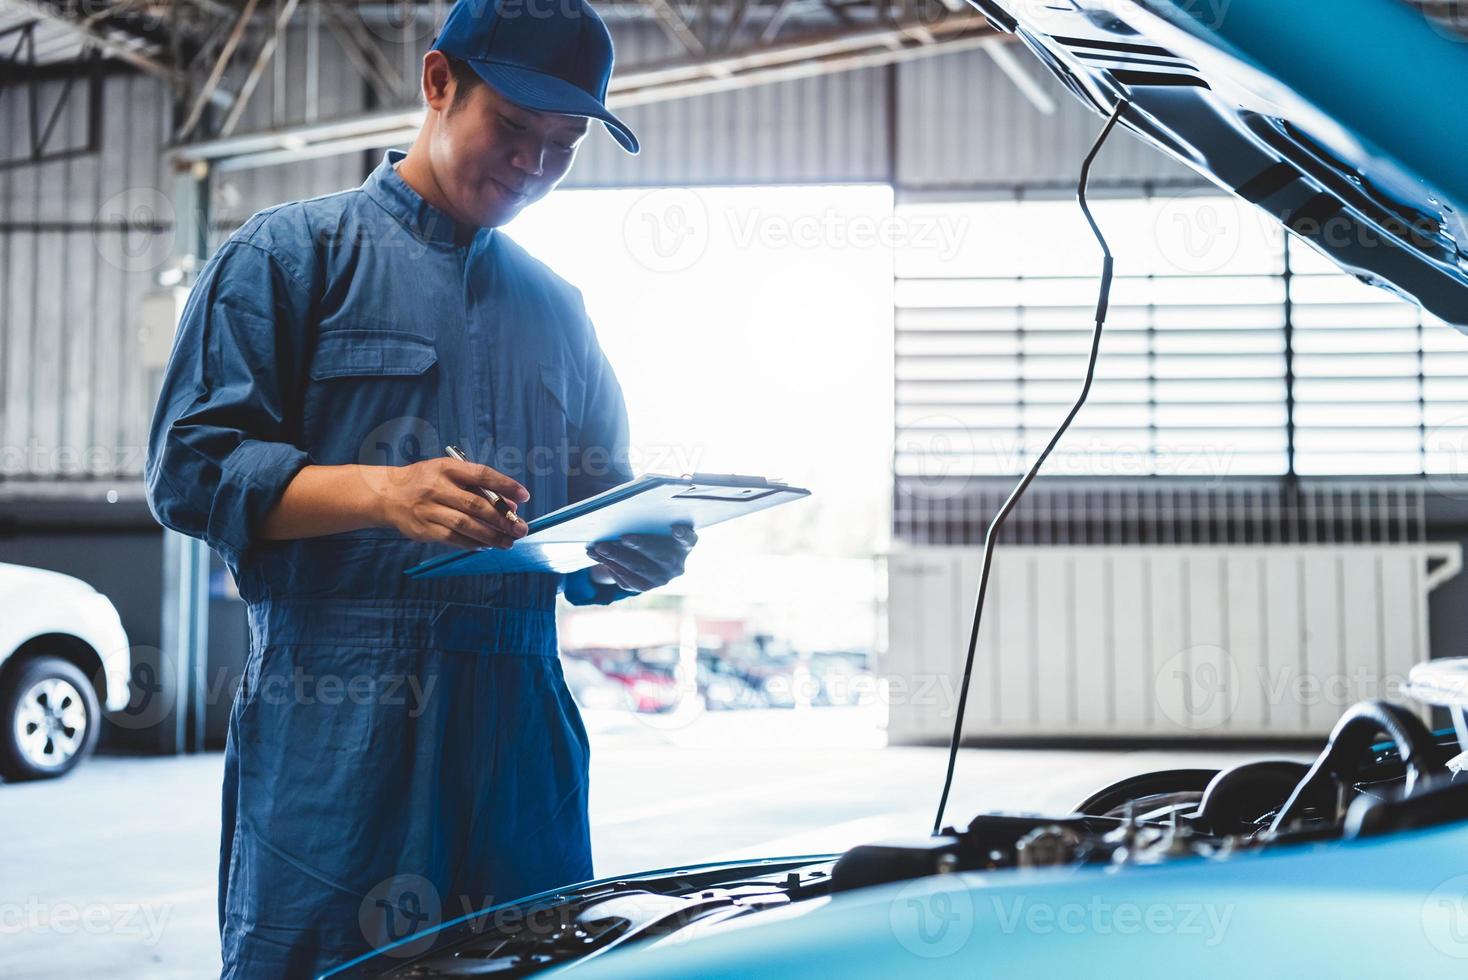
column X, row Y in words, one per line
column 220, row 451
column 601, row 458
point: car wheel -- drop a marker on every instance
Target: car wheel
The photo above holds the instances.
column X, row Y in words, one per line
column 49, row 720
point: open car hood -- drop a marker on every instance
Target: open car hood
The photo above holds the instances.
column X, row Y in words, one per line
column 1343, row 119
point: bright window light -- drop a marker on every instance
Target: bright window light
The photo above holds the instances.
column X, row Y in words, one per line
column 992, row 337
column 751, row 329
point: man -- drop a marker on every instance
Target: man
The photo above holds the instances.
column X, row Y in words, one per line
column 403, row 751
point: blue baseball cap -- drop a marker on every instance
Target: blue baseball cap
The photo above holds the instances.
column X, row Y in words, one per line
column 546, row 55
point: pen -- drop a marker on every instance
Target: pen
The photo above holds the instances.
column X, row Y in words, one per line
column 499, row 502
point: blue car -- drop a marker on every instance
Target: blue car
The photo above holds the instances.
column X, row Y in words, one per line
column 1344, row 120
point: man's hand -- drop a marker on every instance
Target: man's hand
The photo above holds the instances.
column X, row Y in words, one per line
column 640, row 562
column 437, row 500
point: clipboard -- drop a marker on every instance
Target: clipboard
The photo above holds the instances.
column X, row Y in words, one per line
column 651, row 504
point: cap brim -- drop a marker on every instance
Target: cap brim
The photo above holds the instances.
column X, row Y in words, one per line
column 547, row 93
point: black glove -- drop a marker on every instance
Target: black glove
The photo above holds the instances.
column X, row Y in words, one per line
column 639, row 562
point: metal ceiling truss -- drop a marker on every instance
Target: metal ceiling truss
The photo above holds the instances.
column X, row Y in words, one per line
column 125, row 30
column 721, row 44
column 214, row 54
column 43, row 108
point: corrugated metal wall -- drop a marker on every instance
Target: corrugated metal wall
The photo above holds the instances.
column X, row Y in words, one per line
column 829, row 129
column 75, row 401
column 963, row 125
column 74, row 281
column 285, row 95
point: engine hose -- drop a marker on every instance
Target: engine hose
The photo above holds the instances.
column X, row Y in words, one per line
column 1351, row 738
column 1237, row 797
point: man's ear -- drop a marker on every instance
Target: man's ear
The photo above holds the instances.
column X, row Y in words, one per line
column 438, row 81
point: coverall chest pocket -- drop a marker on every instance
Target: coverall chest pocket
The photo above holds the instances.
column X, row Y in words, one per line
column 373, row 399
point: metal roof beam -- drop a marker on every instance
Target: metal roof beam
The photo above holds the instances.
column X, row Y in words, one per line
column 97, row 36
column 758, row 65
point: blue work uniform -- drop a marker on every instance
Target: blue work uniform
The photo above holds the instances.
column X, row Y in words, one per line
column 400, row 751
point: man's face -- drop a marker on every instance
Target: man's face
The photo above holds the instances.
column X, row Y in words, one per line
column 491, row 157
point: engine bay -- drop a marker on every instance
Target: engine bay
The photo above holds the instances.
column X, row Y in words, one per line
column 1381, row 771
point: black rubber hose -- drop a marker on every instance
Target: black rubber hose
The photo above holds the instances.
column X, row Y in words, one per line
column 1236, row 797
column 1132, row 788
column 1350, row 742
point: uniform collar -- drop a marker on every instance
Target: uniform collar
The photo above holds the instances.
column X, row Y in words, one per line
column 424, row 220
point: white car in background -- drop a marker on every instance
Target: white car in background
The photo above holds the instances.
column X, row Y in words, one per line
column 63, row 656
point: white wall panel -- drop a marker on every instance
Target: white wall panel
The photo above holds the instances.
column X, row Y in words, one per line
column 1168, row 642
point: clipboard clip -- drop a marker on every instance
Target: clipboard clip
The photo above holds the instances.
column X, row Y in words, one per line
column 731, row 479
column 727, row 487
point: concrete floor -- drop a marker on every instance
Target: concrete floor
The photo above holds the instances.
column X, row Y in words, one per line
column 110, row 871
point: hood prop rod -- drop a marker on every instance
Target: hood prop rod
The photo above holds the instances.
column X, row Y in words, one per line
column 991, row 537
